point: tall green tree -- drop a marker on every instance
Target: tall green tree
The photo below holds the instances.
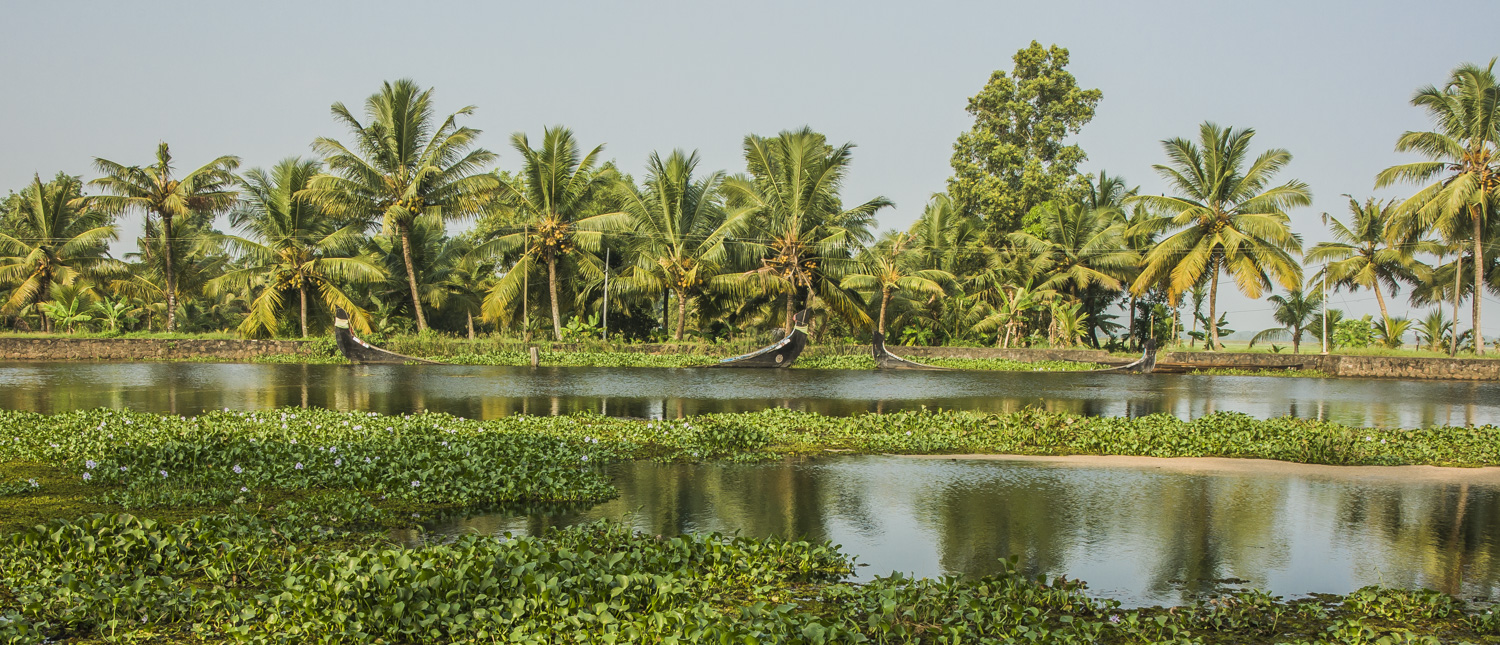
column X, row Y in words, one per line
column 1463, row 165
column 559, row 194
column 404, row 165
column 157, row 193
column 891, row 271
column 1015, row 156
column 1297, row 312
column 52, row 239
column 679, row 227
column 803, row 237
column 1362, row 255
column 1229, row 219
column 292, row 246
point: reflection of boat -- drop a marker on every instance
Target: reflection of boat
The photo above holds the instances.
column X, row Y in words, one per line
column 1146, row 364
column 885, row 360
column 358, row 351
column 780, row 353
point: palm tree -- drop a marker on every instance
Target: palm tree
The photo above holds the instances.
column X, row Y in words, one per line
column 198, row 256
column 1392, row 330
column 403, row 168
column 559, row 194
column 154, row 191
column 1464, row 161
column 804, row 237
column 679, row 227
column 292, row 246
column 1432, row 330
column 1016, row 303
column 1231, row 219
column 890, row 272
column 1362, row 255
column 53, row 239
column 1296, row 311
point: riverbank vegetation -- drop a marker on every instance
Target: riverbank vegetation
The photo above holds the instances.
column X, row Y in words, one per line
column 1019, row 249
column 268, row 527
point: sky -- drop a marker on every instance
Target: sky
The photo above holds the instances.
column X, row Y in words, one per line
column 1328, row 81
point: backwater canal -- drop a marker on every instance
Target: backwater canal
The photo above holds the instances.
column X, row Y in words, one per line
column 1153, row 533
column 487, row 392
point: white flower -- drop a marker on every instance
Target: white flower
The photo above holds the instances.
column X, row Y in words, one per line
column 123, row 469
column 908, row 433
column 244, row 490
column 237, row 470
column 585, row 457
column 367, row 460
column 338, row 462
column 415, row 483
column 298, row 466
column 163, row 473
column 90, row 464
column 294, row 442
column 87, row 477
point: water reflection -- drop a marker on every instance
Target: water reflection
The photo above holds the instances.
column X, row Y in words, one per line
column 1137, row 534
column 490, row 392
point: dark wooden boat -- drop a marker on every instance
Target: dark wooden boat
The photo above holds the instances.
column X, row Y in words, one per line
column 1146, row 364
column 361, row 352
column 779, row 354
column 885, row 360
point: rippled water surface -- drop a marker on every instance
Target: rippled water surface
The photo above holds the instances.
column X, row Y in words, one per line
column 489, row 392
column 1141, row 535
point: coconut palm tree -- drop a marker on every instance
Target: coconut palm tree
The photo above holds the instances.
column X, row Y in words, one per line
column 198, row 256
column 1362, row 255
column 53, row 239
column 678, row 230
column 403, row 168
column 155, row 191
column 560, row 195
column 292, row 246
column 802, row 236
column 1434, row 329
column 890, row 271
column 1463, row 165
column 1296, row 312
column 1228, row 218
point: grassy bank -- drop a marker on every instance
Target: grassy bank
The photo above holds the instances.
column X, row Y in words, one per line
column 266, row 527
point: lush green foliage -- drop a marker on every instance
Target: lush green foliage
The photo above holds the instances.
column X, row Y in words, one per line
column 233, row 578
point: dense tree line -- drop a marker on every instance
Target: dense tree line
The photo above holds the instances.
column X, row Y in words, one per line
column 1020, row 249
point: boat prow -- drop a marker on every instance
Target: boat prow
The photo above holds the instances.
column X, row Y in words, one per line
column 360, row 352
column 1143, row 365
column 780, row 354
column 885, row 360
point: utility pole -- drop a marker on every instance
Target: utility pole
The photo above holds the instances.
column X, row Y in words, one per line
column 1325, row 309
column 525, row 285
column 605, row 334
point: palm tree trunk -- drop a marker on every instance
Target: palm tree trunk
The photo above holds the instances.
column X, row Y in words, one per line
column 1132, row 324
column 471, row 325
column 1213, row 303
column 1380, row 299
column 411, row 278
column 791, row 297
column 1478, row 278
column 1458, row 272
column 885, row 299
column 166, row 248
column 302, row 295
column 1296, row 339
column 681, row 314
column 552, row 291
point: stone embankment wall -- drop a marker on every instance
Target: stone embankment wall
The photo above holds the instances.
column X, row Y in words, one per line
column 135, row 349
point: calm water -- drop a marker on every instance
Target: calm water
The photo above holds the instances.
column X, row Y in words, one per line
column 1143, row 536
column 489, row 392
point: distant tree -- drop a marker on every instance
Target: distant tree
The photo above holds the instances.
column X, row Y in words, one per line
column 403, row 168
column 52, row 239
column 804, row 238
column 890, row 271
column 558, row 197
column 1295, row 311
column 1433, row 330
column 155, row 191
column 1014, row 157
column 1362, row 255
column 292, row 246
column 1230, row 219
column 1463, row 165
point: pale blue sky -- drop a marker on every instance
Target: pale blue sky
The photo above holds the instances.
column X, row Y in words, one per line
column 1327, row 80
